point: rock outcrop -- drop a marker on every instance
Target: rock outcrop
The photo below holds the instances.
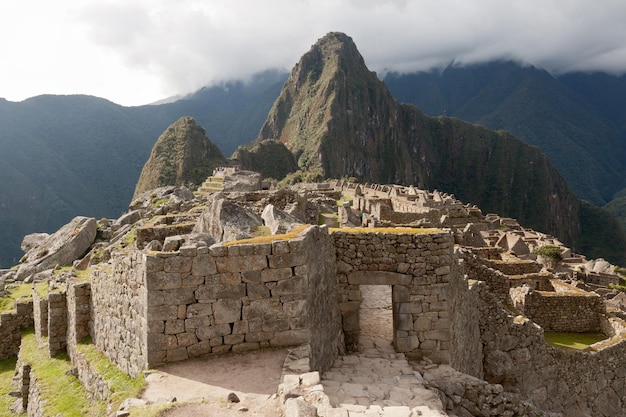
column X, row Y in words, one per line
column 69, row 243
column 224, row 220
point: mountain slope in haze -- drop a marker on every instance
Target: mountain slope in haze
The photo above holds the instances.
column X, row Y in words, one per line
column 62, row 156
column 183, row 155
column 339, row 119
column 578, row 120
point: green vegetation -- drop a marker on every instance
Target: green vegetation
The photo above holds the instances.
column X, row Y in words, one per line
column 13, row 292
column 552, row 254
column 7, row 370
column 121, row 385
column 63, row 393
column 577, row 341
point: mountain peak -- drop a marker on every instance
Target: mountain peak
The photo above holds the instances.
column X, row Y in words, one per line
column 182, row 155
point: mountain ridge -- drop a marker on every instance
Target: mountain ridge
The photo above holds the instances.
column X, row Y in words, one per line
column 339, row 119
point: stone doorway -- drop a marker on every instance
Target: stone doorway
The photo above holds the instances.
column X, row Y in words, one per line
column 382, row 310
column 375, row 313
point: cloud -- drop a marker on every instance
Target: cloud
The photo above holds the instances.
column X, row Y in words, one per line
column 166, row 47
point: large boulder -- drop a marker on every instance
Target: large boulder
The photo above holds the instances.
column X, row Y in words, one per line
column 63, row 247
column 32, row 240
column 242, row 181
column 277, row 220
column 224, row 221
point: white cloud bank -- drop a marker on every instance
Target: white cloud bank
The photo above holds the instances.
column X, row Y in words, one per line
column 135, row 52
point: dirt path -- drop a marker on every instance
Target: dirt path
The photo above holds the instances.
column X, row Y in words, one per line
column 253, row 377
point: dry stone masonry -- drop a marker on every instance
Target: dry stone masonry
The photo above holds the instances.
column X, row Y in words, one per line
column 467, row 296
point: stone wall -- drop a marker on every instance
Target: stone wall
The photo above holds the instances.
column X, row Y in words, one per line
column 243, row 297
column 11, row 325
column 418, row 267
column 572, row 382
column 498, row 283
column 466, row 350
column 575, row 313
column 57, row 322
column 40, row 312
column 119, row 308
column 78, row 312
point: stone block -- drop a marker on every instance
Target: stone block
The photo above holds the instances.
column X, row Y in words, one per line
column 154, row 264
column 174, row 326
column 213, row 332
column 253, row 277
column 287, row 260
column 233, row 339
column 266, row 309
column 240, row 327
column 156, row 326
column 180, row 264
column 230, row 291
column 156, row 298
column 163, row 280
column 203, row 265
column 177, row 355
column 246, row 249
column 241, row 263
column 277, row 274
column 280, row 247
column 404, row 322
column 225, row 278
column 218, row 250
column 179, row 296
column 201, row 348
column 257, row 291
column 192, row 281
column 263, row 249
column 199, row 309
column 275, row 325
column 197, row 322
column 158, row 342
column 422, row 324
column 297, row 407
column 227, row 310
column 186, row 339
column 295, row 285
column 350, row 321
column 163, row 312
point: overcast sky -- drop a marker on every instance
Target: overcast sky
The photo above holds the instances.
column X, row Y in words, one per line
column 138, row 51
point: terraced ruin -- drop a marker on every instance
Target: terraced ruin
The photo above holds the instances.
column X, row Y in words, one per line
column 455, row 327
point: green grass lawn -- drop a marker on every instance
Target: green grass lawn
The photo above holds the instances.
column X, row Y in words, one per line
column 7, row 370
column 578, row 341
column 13, row 292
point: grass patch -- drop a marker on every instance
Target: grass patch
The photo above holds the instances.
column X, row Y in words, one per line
column 121, row 385
column 7, row 370
column 64, row 394
column 394, row 230
column 271, row 238
column 577, row 341
column 13, row 292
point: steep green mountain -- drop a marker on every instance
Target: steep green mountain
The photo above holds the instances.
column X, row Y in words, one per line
column 183, row 155
column 339, row 119
column 578, row 120
column 62, row 156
